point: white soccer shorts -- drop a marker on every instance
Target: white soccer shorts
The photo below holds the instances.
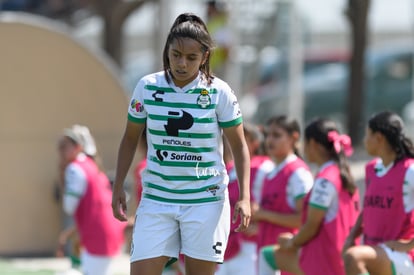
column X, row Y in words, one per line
column 401, row 261
column 199, row 231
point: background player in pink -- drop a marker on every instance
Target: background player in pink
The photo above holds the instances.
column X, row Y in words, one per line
column 241, row 252
column 330, row 209
column 88, row 196
column 387, row 219
column 284, row 188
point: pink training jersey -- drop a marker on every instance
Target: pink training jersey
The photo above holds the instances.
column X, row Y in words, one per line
column 100, row 233
column 384, row 216
column 322, row 254
column 236, row 238
column 274, row 198
column 256, row 165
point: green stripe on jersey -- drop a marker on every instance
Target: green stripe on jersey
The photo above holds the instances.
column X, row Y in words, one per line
column 182, row 163
column 156, row 88
column 188, row 201
column 183, row 148
column 177, row 104
column 136, row 120
column 171, row 90
column 181, row 135
column 180, row 178
column 196, row 120
column 73, row 194
column 300, row 196
column 318, row 206
column 394, row 268
column 183, row 191
column 231, row 123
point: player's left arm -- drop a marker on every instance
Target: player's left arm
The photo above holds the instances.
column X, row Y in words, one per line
column 309, row 229
column 299, row 184
column 240, row 151
column 321, row 198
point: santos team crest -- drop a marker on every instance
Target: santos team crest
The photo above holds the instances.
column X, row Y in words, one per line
column 204, row 100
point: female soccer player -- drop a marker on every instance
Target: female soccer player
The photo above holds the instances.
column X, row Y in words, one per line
column 387, row 219
column 184, row 206
column 330, row 209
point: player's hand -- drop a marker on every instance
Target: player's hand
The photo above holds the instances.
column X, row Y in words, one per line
column 242, row 209
column 252, row 229
column 119, row 206
column 255, row 211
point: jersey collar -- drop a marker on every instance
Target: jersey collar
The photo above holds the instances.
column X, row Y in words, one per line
column 193, row 84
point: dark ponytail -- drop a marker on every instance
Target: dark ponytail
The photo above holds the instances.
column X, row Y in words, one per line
column 325, row 132
column 392, row 127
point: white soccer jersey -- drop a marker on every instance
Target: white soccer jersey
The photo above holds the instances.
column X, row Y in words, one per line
column 185, row 150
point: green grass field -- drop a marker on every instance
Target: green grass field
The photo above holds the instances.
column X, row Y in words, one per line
column 7, row 268
column 52, row 266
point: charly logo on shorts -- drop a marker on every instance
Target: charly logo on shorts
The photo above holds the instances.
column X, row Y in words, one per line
column 204, row 100
column 217, row 247
column 137, row 106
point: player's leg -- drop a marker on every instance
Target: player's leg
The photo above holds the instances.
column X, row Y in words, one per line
column 199, row 267
column 153, row 266
column 155, row 238
column 272, row 259
column 364, row 260
column 204, row 234
column 287, row 261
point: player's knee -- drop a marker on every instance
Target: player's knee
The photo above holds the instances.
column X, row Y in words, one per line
column 351, row 257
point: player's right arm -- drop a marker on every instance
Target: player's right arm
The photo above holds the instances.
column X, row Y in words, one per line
column 126, row 154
